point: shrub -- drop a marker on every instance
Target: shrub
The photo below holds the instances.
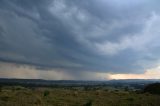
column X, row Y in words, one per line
column 0, row 88
column 75, row 93
column 153, row 88
column 46, row 93
column 126, row 88
column 4, row 98
column 130, row 99
column 86, row 88
column 138, row 91
column 89, row 103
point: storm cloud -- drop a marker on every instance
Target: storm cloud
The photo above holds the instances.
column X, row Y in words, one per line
column 80, row 36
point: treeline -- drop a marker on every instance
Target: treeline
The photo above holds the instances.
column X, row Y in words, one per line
column 131, row 84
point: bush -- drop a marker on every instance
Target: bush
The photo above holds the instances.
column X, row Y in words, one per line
column 138, row 91
column 89, row 103
column 130, row 99
column 86, row 88
column 153, row 88
column 46, row 93
column 0, row 88
column 126, row 88
column 4, row 98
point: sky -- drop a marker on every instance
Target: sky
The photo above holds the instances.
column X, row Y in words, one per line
column 80, row 39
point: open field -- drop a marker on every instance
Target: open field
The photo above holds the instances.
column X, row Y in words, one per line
column 21, row 96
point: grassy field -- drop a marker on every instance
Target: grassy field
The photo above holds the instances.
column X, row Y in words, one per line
column 20, row 96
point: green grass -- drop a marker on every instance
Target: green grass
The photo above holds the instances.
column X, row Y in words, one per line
column 20, row 96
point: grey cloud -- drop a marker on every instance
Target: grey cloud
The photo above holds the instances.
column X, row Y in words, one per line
column 80, row 36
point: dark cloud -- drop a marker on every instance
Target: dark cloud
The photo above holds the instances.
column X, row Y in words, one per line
column 98, row 36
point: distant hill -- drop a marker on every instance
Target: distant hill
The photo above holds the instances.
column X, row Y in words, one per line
column 131, row 83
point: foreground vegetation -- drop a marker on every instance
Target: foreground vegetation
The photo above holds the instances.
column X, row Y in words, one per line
column 21, row 96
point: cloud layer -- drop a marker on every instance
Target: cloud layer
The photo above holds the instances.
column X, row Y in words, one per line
column 79, row 37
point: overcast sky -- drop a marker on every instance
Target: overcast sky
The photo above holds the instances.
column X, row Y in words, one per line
column 80, row 39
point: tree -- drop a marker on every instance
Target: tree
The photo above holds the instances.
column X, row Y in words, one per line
column 153, row 88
